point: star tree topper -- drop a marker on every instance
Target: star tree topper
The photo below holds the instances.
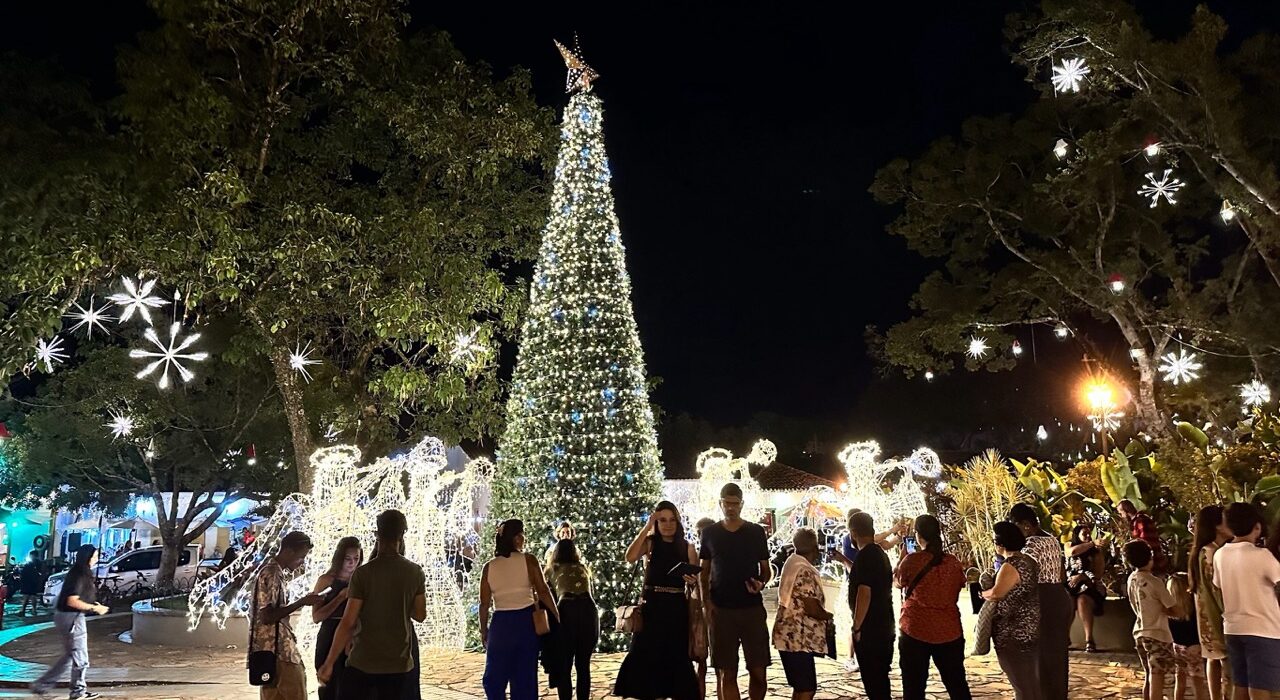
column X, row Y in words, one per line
column 580, row 74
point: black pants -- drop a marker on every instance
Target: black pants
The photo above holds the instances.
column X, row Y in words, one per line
column 358, row 685
column 579, row 632
column 1057, row 612
column 875, row 657
column 913, row 657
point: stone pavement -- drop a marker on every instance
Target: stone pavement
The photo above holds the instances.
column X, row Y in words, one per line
column 121, row 670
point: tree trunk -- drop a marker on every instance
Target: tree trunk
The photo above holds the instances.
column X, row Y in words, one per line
column 299, row 430
column 171, row 547
column 1148, row 415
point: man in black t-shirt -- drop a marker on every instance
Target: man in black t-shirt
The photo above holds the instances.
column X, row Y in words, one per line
column 873, row 624
column 735, row 568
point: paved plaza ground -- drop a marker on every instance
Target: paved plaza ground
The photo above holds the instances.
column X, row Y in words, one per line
column 122, row 670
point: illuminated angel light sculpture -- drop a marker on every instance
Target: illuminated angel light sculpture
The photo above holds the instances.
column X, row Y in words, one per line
column 717, row 467
column 346, row 498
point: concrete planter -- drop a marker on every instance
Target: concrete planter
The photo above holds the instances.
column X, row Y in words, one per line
column 1112, row 632
column 166, row 627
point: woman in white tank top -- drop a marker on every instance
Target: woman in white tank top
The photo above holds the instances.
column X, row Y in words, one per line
column 510, row 584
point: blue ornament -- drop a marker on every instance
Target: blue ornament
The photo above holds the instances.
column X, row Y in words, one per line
column 543, row 281
column 593, row 311
column 611, row 413
column 552, row 258
column 614, row 367
column 529, row 403
column 612, row 237
column 558, row 450
column 565, row 209
column 584, row 116
column 585, row 152
column 521, row 481
column 557, row 315
column 553, row 475
column 576, row 416
column 628, row 477
column 609, row 395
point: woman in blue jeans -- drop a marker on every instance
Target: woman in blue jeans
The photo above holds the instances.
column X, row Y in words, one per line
column 511, row 584
column 79, row 596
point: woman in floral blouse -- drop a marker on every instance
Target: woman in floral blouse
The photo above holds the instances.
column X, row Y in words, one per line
column 800, row 630
column 1210, row 533
column 1016, row 596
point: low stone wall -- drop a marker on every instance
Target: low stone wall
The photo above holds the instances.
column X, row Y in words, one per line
column 165, row 627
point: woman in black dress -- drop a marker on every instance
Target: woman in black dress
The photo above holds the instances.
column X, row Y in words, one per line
column 1084, row 579
column 347, row 557
column 658, row 663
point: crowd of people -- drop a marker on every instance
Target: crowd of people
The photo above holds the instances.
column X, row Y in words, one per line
column 1212, row 631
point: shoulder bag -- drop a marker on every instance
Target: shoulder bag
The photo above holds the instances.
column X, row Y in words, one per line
column 263, row 663
column 541, row 620
column 628, row 618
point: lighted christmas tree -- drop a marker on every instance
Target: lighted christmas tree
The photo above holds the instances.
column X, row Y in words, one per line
column 580, row 443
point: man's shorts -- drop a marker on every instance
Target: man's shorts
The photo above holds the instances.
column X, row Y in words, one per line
column 1255, row 661
column 746, row 626
column 1157, row 655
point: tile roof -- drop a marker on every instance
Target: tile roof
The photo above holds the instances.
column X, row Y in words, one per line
column 780, row 477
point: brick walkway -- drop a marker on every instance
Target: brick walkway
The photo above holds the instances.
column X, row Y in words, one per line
column 152, row 673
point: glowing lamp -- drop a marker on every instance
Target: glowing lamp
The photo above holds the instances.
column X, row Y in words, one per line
column 1060, row 149
column 1016, row 349
column 1228, row 212
column 928, row 375
column 1116, row 283
column 1153, row 147
column 1062, row 331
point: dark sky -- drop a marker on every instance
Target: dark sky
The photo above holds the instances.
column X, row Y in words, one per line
column 742, row 139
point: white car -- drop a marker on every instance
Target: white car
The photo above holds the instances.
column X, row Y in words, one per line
column 132, row 569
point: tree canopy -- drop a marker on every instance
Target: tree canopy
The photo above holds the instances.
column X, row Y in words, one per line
column 1031, row 238
column 312, row 169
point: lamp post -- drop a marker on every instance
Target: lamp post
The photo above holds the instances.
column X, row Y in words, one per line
column 1100, row 397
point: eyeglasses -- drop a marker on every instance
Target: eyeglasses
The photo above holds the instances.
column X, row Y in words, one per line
column 725, row 502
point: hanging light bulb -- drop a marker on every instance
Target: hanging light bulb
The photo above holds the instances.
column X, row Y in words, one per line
column 1228, row 212
column 1116, row 283
column 1060, row 149
column 928, row 375
column 1062, row 331
column 1152, row 149
column 1017, row 348
column 1042, row 434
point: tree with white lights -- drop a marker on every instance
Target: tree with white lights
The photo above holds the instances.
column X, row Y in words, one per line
column 1133, row 202
column 580, row 442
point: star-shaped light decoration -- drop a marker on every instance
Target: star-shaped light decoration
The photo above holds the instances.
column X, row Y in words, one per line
column 50, row 353
column 170, row 355
column 121, row 425
column 300, row 359
column 1067, row 77
column 977, row 348
column 137, row 298
column 1180, row 367
column 90, row 318
column 580, row 74
column 465, row 347
column 1255, row 393
column 1166, row 187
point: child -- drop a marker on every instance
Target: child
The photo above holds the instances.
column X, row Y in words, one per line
column 1186, row 642
column 1152, row 606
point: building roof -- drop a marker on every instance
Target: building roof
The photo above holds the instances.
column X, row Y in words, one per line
column 780, row 477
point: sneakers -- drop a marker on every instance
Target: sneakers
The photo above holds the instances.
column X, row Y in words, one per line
column 88, row 696
column 851, row 665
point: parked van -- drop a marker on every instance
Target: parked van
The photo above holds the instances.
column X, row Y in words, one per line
column 131, row 571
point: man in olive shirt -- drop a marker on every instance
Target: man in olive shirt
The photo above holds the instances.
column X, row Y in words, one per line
column 387, row 594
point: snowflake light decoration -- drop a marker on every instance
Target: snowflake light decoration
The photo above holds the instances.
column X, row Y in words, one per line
column 170, row 355
column 1067, row 77
column 1107, row 420
column 90, row 318
column 1180, row 367
column 1255, row 393
column 50, row 353
column 137, row 298
column 977, row 348
column 300, row 359
column 121, row 425
column 1166, row 187
column 465, row 347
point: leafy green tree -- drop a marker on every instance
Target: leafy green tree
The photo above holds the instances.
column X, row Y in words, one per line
column 191, row 437
column 339, row 185
column 1030, row 238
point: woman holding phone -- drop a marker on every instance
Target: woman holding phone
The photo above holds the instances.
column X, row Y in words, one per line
column 658, row 663
column 332, row 584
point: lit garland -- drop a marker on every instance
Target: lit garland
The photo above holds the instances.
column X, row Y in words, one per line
column 439, row 505
column 580, row 442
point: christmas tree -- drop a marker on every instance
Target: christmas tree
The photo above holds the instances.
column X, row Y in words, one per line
column 580, row 443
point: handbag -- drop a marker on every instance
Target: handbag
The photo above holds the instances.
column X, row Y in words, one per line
column 697, row 631
column 541, row 620
column 263, row 667
column 629, row 619
column 831, row 639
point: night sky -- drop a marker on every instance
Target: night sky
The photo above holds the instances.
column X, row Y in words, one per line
column 742, row 140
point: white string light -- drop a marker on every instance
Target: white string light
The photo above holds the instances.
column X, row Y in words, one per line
column 121, row 424
column 90, row 318
column 1166, row 187
column 169, row 355
column 1255, row 393
column 50, row 352
column 1180, row 367
column 137, row 298
column 1068, row 76
column 300, row 359
column 977, row 348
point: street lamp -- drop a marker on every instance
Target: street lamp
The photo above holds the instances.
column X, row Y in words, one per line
column 1099, row 396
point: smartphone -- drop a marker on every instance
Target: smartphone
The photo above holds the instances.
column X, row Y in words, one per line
column 910, row 542
column 325, row 591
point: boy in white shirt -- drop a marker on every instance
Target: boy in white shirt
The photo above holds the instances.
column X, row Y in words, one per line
column 1247, row 575
column 1152, row 605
